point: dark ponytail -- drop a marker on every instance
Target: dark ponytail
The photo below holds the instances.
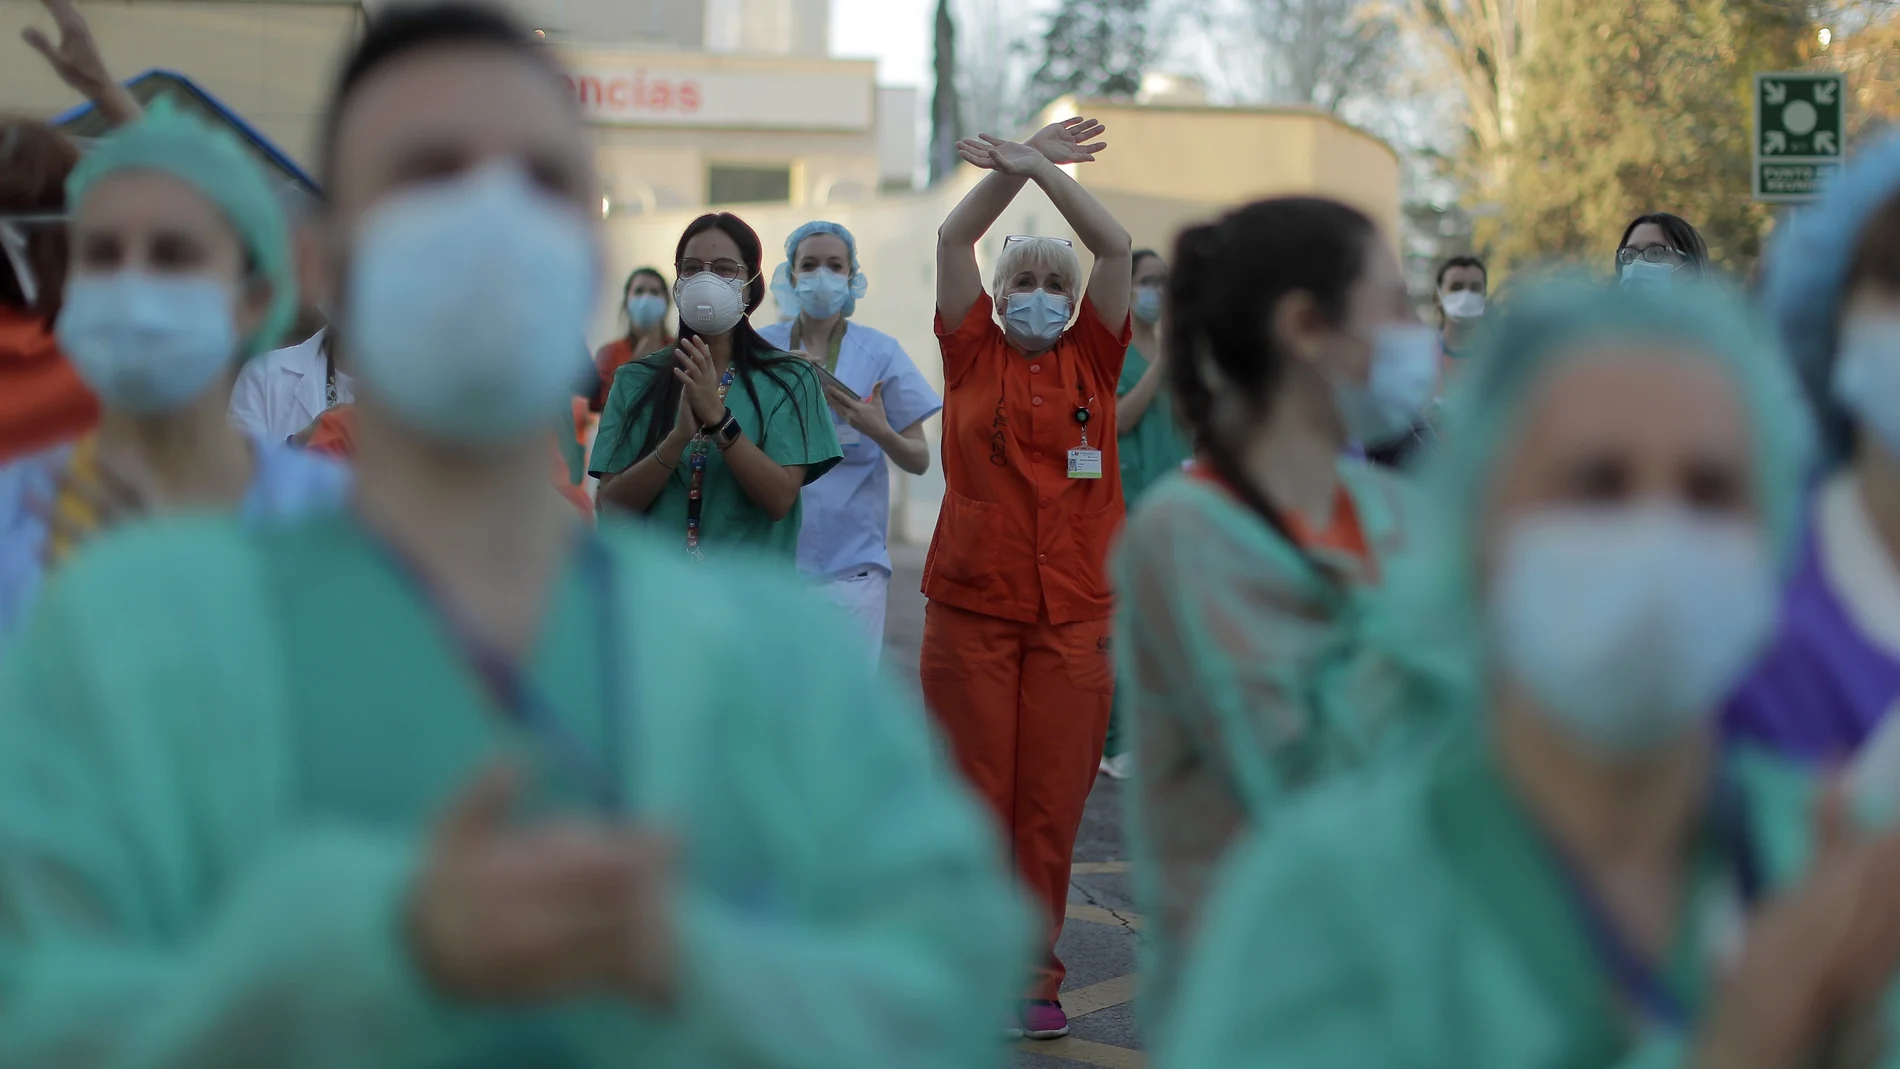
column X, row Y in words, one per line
column 750, row 353
column 1223, row 284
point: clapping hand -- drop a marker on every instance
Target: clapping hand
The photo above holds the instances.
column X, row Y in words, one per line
column 866, row 414
column 530, row 914
column 700, row 381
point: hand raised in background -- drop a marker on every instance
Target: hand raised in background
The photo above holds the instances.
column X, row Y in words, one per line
column 77, row 61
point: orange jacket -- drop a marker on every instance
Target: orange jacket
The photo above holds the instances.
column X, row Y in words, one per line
column 1017, row 538
column 42, row 400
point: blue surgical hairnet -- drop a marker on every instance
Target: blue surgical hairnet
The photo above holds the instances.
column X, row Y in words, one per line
column 1806, row 276
column 783, row 276
column 211, row 162
column 1427, row 628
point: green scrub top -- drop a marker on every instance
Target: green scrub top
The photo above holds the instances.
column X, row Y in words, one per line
column 792, row 425
column 206, row 852
column 1417, row 919
column 1153, row 446
column 1239, row 668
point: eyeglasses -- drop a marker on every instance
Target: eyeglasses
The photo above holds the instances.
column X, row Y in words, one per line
column 1652, row 254
column 728, row 269
column 1014, row 238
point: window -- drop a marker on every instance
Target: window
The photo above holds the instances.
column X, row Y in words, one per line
column 747, row 184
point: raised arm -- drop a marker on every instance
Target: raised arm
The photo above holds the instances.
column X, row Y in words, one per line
column 959, row 283
column 1040, row 160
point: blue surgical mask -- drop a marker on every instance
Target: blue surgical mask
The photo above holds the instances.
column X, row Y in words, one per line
column 465, row 297
column 1866, row 378
column 821, row 293
column 1037, row 318
column 645, row 310
column 147, row 343
column 1629, row 624
column 1644, row 273
column 1148, row 304
column 1399, row 384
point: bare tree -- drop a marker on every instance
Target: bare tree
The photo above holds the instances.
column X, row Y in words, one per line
column 1484, row 46
column 1319, row 52
column 993, row 66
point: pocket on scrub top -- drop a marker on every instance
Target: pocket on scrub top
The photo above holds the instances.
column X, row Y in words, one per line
column 966, row 536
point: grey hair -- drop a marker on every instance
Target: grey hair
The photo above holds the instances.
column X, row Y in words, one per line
column 1050, row 251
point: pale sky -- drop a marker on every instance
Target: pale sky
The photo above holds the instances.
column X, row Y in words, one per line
column 894, row 32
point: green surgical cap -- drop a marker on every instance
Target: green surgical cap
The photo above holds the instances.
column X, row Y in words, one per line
column 1427, row 629
column 213, row 163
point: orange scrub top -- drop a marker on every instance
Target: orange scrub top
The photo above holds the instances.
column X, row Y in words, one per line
column 1342, row 538
column 1017, row 538
column 43, row 402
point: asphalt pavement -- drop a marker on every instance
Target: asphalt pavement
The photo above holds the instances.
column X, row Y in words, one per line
column 1099, row 940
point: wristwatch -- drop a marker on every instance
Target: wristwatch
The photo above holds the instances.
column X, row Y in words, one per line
column 723, row 433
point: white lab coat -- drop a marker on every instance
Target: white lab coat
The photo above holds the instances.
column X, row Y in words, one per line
column 282, row 392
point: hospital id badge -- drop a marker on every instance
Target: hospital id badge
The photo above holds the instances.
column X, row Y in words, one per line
column 1085, row 463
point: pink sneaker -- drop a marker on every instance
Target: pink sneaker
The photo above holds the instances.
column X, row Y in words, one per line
column 1044, row 1020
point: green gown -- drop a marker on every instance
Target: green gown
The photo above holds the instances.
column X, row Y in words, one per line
column 791, row 427
column 1150, row 448
column 1237, row 661
column 221, row 750
column 1416, row 919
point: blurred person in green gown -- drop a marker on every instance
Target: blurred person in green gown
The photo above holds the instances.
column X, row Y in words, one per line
column 1150, row 443
column 443, row 778
column 1239, row 584
column 1578, row 876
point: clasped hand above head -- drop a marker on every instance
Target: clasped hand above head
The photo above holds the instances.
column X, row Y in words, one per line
column 521, row 914
column 1057, row 143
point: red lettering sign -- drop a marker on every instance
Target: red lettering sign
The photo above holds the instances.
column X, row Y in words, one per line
column 637, row 94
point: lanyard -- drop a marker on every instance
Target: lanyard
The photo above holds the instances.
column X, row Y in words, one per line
column 1636, row 978
column 329, row 376
column 518, row 698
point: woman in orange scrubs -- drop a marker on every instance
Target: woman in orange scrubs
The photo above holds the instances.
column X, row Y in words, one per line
column 1015, row 657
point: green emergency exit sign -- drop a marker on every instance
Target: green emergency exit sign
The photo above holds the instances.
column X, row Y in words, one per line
column 1800, row 133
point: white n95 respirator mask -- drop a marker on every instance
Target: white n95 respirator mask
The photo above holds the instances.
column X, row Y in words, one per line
column 1630, row 624
column 464, row 303
column 710, row 304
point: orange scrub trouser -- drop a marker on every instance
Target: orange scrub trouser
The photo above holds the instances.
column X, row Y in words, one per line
column 1025, row 707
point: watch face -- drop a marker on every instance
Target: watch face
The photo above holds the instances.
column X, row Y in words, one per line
column 730, row 432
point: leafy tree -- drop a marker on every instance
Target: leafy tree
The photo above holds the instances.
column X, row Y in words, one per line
column 1633, row 106
column 1095, row 48
column 1590, row 112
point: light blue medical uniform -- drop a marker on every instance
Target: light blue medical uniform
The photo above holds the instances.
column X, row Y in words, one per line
column 848, row 510
column 287, row 482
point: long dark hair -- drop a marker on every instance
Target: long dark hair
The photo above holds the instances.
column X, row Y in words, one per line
column 750, row 353
column 1225, row 278
column 666, row 292
column 1683, row 237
